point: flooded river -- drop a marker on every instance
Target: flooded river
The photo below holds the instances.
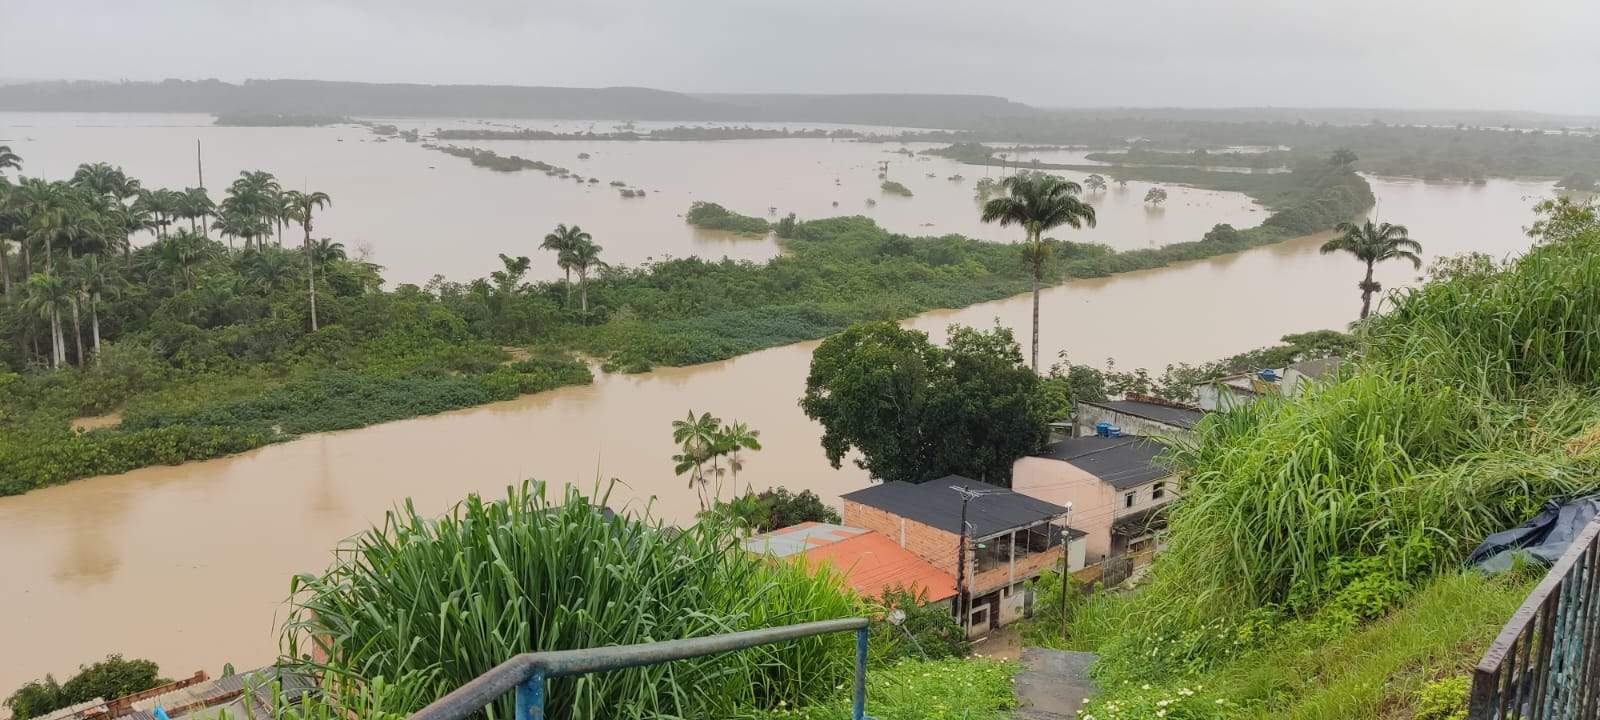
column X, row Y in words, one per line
column 188, row 565
column 420, row 212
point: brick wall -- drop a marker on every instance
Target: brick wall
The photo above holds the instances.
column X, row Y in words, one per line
column 936, row 546
column 1024, row 569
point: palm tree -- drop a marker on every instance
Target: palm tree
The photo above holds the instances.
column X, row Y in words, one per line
column 302, row 206
column 163, row 205
column 194, row 205
column 8, row 225
column 46, row 298
column 1373, row 244
column 180, row 253
column 731, row 439
column 698, row 437
column 584, row 257
column 1038, row 203
column 95, row 279
column 9, row 159
column 104, row 179
column 268, row 269
column 563, row 241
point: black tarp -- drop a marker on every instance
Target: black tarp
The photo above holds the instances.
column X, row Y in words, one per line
column 1542, row 539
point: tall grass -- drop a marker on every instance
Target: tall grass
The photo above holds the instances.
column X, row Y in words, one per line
column 436, row 602
column 1457, row 420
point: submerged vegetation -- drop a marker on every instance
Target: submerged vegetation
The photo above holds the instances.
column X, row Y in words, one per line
column 209, row 349
column 711, row 216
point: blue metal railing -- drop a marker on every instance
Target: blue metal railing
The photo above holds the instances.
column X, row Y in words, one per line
column 527, row 673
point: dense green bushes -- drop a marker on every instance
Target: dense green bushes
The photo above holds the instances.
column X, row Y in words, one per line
column 109, row 679
column 711, row 216
column 495, row 578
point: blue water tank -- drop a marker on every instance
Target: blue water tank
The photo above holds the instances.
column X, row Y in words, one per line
column 1268, row 375
column 1113, row 431
column 1101, row 427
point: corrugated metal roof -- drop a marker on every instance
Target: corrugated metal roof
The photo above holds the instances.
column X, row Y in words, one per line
column 933, row 503
column 872, row 563
column 1121, row 462
column 1175, row 416
column 784, row 542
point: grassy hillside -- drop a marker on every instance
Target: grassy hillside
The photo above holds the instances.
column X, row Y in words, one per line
column 1473, row 401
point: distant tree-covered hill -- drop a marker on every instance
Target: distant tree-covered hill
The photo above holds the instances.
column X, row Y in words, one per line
column 326, row 98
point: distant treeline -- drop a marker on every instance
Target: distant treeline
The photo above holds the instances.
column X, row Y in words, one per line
column 1270, row 159
column 278, row 120
column 1432, row 153
column 723, row 132
column 301, row 97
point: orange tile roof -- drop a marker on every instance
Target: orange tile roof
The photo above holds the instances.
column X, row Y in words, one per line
column 873, row 563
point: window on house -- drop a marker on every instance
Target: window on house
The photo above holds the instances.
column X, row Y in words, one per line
column 1158, row 491
column 1129, row 499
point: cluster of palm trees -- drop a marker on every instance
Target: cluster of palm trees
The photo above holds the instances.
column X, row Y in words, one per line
column 577, row 252
column 705, row 442
column 70, row 232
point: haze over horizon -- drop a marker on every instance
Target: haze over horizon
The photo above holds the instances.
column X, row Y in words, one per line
column 1429, row 54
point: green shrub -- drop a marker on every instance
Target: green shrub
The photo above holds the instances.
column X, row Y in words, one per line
column 711, row 216
column 109, row 679
column 492, row 579
column 1444, row 699
column 895, row 188
column 929, row 632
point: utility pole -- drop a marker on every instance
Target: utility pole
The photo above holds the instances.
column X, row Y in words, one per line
column 962, row 605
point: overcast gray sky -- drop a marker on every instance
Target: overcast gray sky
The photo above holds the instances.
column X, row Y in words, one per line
column 1531, row 55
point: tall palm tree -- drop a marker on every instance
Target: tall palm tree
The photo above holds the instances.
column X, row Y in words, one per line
column 734, row 438
column 104, row 179
column 302, row 206
column 96, row 279
column 1373, row 244
column 698, row 438
column 8, row 225
column 47, row 297
column 1038, row 202
column 163, row 206
column 563, row 241
column 583, row 258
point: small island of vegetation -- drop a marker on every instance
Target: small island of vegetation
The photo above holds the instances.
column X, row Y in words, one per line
column 711, row 216
column 894, row 188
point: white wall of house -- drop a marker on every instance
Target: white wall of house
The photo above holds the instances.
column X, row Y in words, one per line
column 1095, row 504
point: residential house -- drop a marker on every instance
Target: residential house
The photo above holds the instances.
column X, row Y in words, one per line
column 1115, row 486
column 870, row 562
column 1231, row 390
column 1011, row 538
column 1140, row 415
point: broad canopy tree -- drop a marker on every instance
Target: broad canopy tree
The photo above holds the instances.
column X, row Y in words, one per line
column 918, row 412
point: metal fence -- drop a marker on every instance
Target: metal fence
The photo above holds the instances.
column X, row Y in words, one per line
column 526, row 673
column 1545, row 664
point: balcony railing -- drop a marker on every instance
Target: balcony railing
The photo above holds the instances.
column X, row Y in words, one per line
column 1545, row 664
column 526, row 673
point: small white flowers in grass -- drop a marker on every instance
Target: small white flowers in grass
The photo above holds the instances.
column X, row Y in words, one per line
column 1163, row 703
column 1186, row 692
column 1220, row 701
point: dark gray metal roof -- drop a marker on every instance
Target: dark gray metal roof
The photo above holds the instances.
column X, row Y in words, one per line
column 1140, row 523
column 933, row 503
column 1175, row 416
column 1121, row 462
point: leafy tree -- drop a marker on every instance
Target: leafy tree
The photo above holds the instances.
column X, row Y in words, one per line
column 1038, row 203
column 785, row 227
column 1156, row 195
column 916, row 411
column 110, row 678
column 1373, row 244
column 1343, row 158
column 1095, row 183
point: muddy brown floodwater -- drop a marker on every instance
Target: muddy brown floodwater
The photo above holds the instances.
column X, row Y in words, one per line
column 189, row 565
